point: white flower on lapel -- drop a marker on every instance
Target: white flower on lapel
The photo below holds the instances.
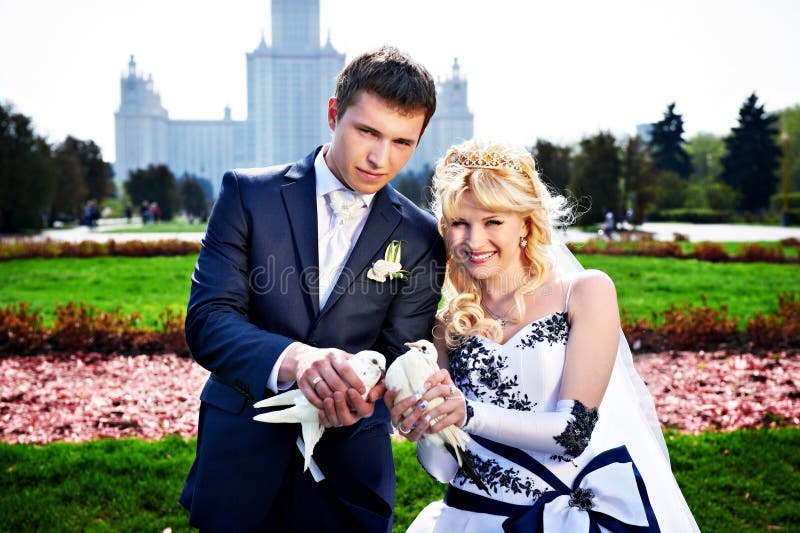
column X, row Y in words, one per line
column 389, row 267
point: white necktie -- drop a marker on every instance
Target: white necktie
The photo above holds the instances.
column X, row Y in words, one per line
column 347, row 207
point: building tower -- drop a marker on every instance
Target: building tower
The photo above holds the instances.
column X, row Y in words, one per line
column 452, row 123
column 288, row 85
column 141, row 124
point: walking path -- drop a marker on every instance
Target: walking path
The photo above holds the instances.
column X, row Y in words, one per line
column 663, row 231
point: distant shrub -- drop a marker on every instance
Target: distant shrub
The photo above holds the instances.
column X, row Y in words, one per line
column 756, row 252
column 78, row 327
column 778, row 330
column 46, row 248
column 704, row 251
column 697, row 216
column 710, row 251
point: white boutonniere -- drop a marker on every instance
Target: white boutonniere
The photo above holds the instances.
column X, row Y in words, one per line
column 389, row 267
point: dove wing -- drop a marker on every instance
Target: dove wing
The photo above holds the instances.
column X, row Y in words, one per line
column 285, row 398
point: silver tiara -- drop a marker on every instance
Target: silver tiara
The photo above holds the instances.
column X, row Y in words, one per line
column 485, row 159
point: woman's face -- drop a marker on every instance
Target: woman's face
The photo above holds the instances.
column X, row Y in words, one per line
column 486, row 243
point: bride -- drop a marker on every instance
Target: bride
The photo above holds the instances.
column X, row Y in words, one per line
column 563, row 432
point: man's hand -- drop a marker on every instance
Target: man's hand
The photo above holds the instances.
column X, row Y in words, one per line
column 347, row 409
column 329, row 383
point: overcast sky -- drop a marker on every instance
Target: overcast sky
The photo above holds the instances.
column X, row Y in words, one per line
column 557, row 70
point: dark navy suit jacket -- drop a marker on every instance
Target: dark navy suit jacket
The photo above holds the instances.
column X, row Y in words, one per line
column 254, row 291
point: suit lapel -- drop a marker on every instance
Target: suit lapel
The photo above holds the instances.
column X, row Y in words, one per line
column 299, row 198
column 382, row 221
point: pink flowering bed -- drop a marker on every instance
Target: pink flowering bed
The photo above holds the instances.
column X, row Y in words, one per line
column 73, row 398
column 696, row 391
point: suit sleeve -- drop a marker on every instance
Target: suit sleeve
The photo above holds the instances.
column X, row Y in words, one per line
column 412, row 313
column 218, row 331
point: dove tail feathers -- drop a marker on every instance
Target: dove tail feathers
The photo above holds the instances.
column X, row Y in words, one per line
column 467, row 468
column 311, row 435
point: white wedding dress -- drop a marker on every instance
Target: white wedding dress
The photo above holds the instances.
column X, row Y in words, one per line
column 523, row 376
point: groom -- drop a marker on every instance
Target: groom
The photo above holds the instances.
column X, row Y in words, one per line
column 281, row 298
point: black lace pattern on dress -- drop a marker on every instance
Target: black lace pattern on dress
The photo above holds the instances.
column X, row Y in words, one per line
column 578, row 432
column 552, row 329
column 497, row 477
column 478, row 370
column 581, row 498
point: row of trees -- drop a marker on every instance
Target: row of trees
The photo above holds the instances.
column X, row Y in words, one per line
column 39, row 182
column 739, row 172
column 664, row 172
column 42, row 183
column 157, row 183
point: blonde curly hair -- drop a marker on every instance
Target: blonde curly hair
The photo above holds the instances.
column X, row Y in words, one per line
column 501, row 177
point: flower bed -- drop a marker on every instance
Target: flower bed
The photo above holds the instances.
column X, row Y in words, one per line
column 73, row 398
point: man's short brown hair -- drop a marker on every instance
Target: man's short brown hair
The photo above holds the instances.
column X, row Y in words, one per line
column 393, row 76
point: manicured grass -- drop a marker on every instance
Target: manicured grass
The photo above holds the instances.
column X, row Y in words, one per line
column 646, row 284
column 144, row 285
column 175, row 226
column 743, row 481
column 150, row 285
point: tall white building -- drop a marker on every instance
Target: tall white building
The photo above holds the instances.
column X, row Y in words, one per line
column 288, row 86
column 451, row 124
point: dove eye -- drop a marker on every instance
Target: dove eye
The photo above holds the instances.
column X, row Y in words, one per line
column 374, row 361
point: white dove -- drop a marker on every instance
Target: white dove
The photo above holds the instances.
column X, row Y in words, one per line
column 408, row 374
column 368, row 366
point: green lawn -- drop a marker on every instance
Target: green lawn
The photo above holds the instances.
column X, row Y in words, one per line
column 145, row 285
column 742, row 481
column 174, row 226
column 149, row 285
column 646, row 284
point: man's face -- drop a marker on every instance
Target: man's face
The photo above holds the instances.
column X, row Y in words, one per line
column 371, row 142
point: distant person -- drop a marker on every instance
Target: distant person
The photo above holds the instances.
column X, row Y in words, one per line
column 128, row 212
column 144, row 211
column 87, row 214
column 94, row 212
column 562, row 429
column 317, row 227
column 155, row 212
column 609, row 226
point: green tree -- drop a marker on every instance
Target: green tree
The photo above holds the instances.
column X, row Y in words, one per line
column 596, row 171
column 193, row 197
column 667, row 144
column 790, row 123
column 638, row 177
column 156, row 183
column 671, row 190
column 706, row 151
column 753, row 159
column 97, row 173
column 70, row 184
column 721, row 196
column 409, row 186
column 27, row 173
column 553, row 162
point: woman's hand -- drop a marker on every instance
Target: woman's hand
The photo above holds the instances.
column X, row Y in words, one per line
column 440, row 406
column 413, row 425
column 453, row 407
